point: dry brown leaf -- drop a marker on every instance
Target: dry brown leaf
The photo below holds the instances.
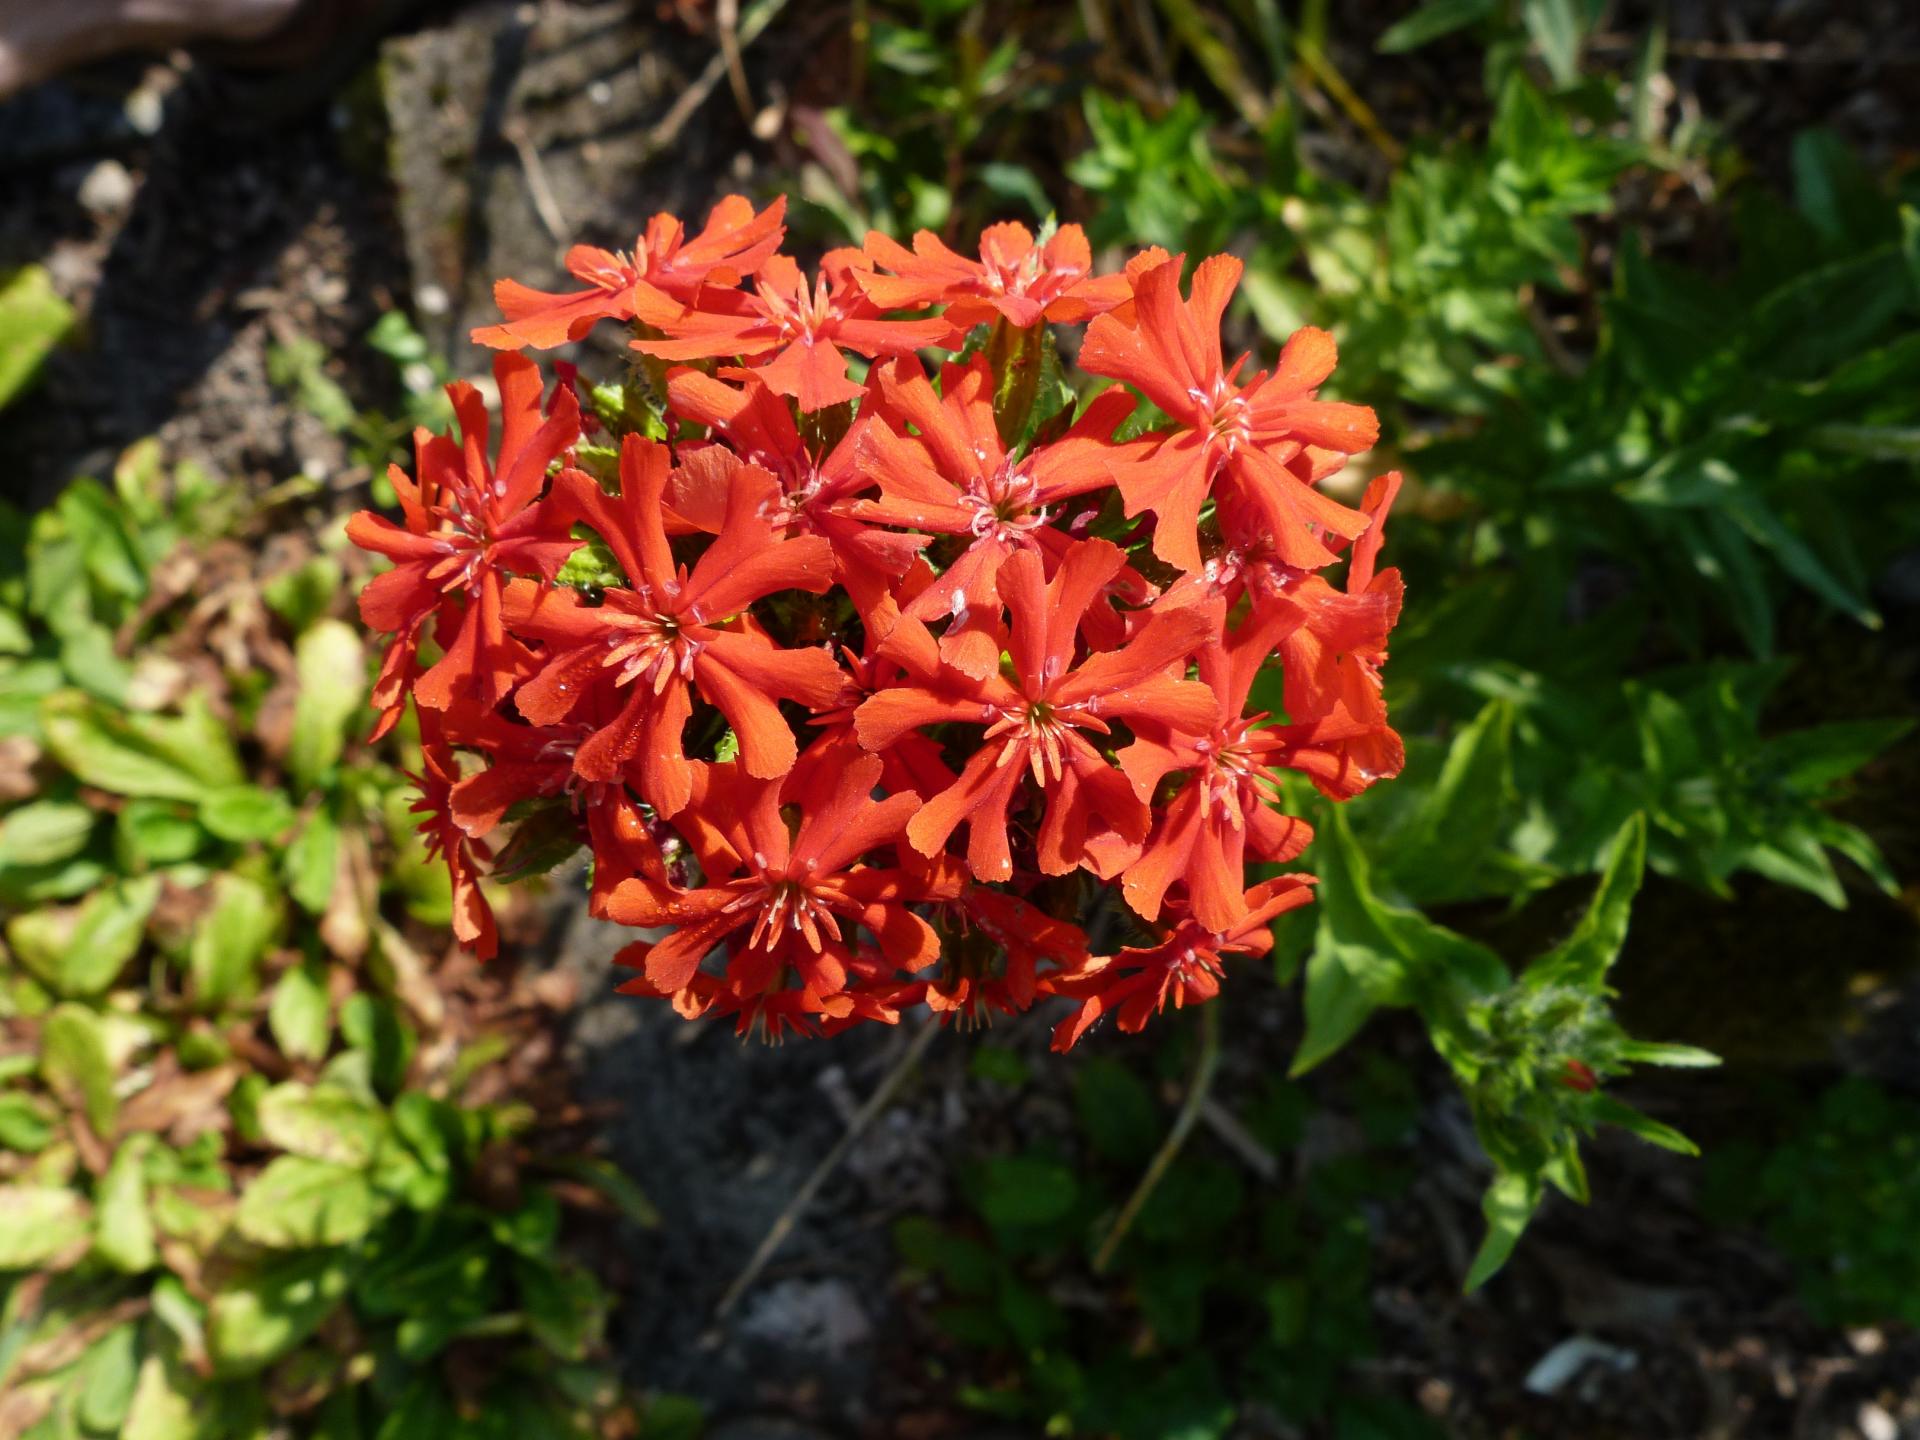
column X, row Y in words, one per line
column 407, row 976
column 182, row 1105
column 18, row 756
column 71, row 1342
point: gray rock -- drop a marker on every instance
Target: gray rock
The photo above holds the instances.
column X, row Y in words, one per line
column 504, row 104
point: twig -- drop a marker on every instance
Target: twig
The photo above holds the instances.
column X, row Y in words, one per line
column 783, row 1224
column 1203, row 1070
column 726, row 23
column 1758, row 52
column 1335, row 84
column 1149, row 34
column 663, row 134
column 539, row 189
column 1242, row 1141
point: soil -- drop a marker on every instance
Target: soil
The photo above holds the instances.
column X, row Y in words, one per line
column 194, row 241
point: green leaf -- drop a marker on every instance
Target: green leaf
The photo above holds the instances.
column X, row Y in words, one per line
column 1854, row 843
column 240, row 813
column 123, row 1235
column 39, row 1224
column 14, row 639
column 44, row 832
column 1557, row 29
column 674, row 1417
column 301, row 1012
column 1430, row 22
column 330, row 662
column 302, row 595
column 593, row 566
column 322, row 1122
column 33, row 319
column 374, row 1026
column 82, row 951
column 299, row 365
column 1338, row 1002
column 966, row 1266
column 23, row 687
column 565, row 1307
column 1814, row 758
column 1794, row 856
column 1117, row 1111
column 999, row 1065
column 177, row 758
column 26, row 1123
column 88, row 656
column 1797, row 557
column 156, row 832
column 1508, row 1205
column 168, row 1403
column 1015, row 357
column 224, row 956
column 1367, row 953
column 298, row 1202
column 425, row 1409
column 1461, row 817
column 256, row 1318
column 76, row 1061
column 1608, row 1111
column 313, row 861
column 1651, row 1052
column 1584, row 957
column 106, row 1378
column 1023, row 1190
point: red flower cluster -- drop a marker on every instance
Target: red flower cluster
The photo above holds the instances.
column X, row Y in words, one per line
column 827, row 626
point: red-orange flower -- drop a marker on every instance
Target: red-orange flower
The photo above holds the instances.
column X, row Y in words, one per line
column 1241, row 437
column 662, row 275
column 663, row 635
column 1331, row 659
column 817, row 491
column 994, row 947
column 790, row 889
column 874, row 567
column 473, row 924
column 1185, row 967
column 1038, row 716
column 1013, row 277
column 1223, row 808
column 469, row 523
column 792, row 334
column 953, row 476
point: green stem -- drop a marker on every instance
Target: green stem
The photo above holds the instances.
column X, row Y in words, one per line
column 1204, row 1066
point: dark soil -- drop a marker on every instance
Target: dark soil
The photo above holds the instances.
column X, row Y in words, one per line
column 193, row 241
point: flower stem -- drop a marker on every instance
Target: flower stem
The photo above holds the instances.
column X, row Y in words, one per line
column 1204, row 1066
column 783, row 1224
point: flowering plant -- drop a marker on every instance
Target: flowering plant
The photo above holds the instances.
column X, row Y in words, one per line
column 770, row 645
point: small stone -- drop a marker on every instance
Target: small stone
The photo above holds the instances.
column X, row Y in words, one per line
column 146, row 110
column 73, row 267
column 1866, row 1341
column 1876, row 1424
column 820, row 1317
column 108, row 189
